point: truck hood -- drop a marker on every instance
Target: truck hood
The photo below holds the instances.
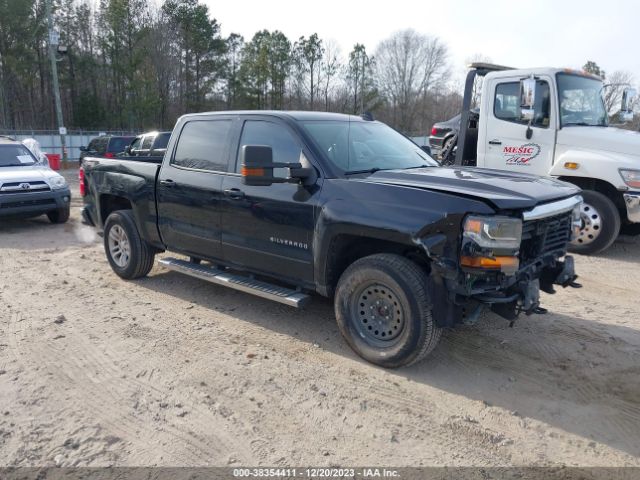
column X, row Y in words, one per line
column 504, row 190
column 28, row 173
column 608, row 139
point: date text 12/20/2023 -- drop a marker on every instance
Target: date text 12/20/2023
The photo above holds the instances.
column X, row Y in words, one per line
column 315, row 473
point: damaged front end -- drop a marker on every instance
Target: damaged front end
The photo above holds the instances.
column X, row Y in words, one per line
column 504, row 261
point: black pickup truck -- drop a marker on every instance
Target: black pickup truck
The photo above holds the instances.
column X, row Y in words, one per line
column 284, row 204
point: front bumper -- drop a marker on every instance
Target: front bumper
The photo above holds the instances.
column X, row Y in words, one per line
column 632, row 202
column 32, row 203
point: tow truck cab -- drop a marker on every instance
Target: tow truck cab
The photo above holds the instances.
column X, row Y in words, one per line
column 553, row 122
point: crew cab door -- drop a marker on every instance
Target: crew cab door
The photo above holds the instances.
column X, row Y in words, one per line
column 189, row 186
column 504, row 144
column 269, row 229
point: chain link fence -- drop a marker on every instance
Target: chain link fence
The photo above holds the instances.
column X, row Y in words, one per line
column 49, row 140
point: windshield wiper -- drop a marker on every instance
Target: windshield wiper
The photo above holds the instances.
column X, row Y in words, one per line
column 418, row 166
column 367, row 170
column 584, row 124
column 16, row 164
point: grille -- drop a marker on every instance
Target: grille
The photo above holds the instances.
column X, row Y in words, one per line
column 543, row 236
column 28, row 203
column 15, row 187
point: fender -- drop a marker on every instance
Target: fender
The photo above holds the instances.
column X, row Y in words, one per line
column 399, row 215
column 598, row 164
column 138, row 187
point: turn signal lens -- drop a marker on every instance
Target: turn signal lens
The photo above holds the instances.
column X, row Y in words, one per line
column 252, row 172
column 504, row 264
column 571, row 165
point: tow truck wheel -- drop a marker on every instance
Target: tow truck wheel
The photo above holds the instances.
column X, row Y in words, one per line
column 600, row 224
column 383, row 310
column 128, row 254
column 59, row 216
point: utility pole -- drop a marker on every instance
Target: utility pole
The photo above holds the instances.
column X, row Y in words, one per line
column 53, row 42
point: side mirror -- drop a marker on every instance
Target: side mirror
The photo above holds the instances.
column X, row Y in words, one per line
column 527, row 98
column 626, row 110
column 257, row 167
column 83, row 149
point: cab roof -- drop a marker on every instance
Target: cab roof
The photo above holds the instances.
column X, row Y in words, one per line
column 285, row 114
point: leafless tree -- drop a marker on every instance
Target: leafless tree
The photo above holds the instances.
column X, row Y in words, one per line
column 616, row 83
column 409, row 66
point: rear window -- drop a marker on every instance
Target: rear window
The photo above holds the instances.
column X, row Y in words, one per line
column 15, row 156
column 118, row 144
column 202, row 145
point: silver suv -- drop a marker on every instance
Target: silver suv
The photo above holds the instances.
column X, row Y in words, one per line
column 28, row 188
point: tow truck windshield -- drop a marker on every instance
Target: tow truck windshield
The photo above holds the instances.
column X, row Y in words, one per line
column 581, row 101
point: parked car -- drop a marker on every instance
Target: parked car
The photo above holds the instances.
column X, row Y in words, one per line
column 29, row 188
column 344, row 207
column 107, row 146
column 442, row 135
column 151, row 144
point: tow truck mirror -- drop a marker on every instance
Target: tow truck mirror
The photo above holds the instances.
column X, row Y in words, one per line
column 527, row 98
column 626, row 110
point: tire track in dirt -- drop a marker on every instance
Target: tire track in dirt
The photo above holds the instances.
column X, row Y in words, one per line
column 77, row 364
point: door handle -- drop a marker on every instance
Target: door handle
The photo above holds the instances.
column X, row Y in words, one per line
column 495, row 142
column 168, row 183
column 234, row 193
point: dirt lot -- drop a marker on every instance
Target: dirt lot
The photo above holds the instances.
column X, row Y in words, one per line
column 170, row 370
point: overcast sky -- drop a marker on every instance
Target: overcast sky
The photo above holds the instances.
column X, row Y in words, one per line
column 534, row 33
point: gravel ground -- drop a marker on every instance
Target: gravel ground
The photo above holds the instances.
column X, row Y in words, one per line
column 170, row 370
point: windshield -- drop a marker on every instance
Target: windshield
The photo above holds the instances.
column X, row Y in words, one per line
column 15, row 156
column 358, row 146
column 580, row 100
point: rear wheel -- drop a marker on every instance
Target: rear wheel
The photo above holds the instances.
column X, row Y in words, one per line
column 447, row 154
column 383, row 310
column 128, row 254
column 600, row 224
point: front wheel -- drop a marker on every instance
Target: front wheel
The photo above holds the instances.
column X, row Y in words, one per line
column 128, row 254
column 383, row 310
column 600, row 224
column 60, row 215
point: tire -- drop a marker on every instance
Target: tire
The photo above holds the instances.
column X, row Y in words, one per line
column 601, row 224
column 59, row 216
column 121, row 235
column 447, row 157
column 399, row 286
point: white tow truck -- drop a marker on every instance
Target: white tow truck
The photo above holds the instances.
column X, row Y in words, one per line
column 553, row 122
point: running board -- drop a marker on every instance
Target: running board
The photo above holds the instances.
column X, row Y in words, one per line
column 218, row 276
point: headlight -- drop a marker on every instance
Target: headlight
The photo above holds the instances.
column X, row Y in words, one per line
column 496, row 233
column 576, row 220
column 58, row 182
column 491, row 243
column 631, row 177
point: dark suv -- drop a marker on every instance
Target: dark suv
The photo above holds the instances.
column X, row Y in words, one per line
column 107, row 146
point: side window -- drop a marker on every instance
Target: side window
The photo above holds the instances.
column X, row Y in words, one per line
column 146, row 142
column 203, row 145
column 286, row 149
column 506, row 105
column 101, row 145
column 92, row 145
column 135, row 145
